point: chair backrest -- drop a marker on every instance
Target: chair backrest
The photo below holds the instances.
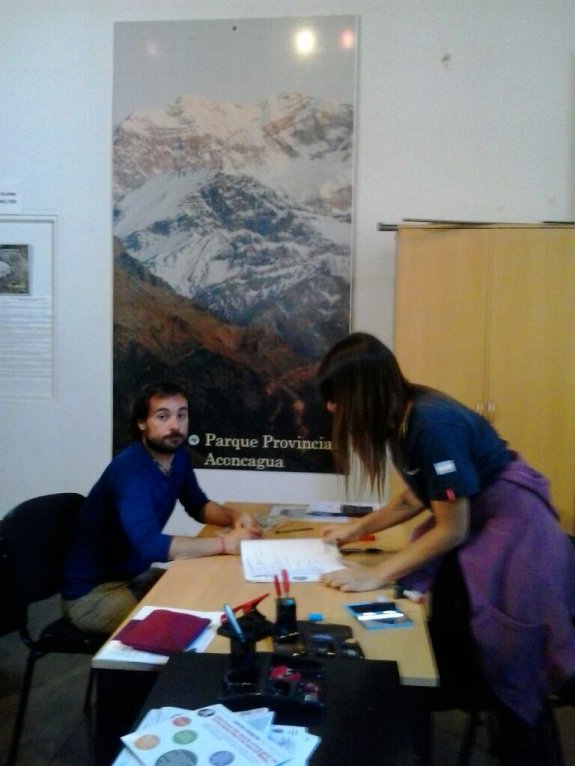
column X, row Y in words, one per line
column 36, row 536
column 10, row 611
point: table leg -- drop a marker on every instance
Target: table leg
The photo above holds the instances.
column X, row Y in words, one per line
column 119, row 698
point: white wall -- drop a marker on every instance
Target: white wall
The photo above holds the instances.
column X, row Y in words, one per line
column 466, row 111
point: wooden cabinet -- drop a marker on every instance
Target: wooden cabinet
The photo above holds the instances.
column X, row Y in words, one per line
column 487, row 314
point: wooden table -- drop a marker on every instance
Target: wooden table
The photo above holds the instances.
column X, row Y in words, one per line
column 205, row 584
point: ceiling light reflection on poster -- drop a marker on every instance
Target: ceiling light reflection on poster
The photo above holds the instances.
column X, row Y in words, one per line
column 233, row 193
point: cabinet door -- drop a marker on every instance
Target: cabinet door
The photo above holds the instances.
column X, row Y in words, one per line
column 441, row 304
column 531, row 352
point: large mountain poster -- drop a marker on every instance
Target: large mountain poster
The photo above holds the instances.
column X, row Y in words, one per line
column 232, row 221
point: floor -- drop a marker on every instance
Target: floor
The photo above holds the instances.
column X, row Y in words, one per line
column 58, row 734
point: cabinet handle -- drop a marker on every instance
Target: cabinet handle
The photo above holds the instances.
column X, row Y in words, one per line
column 479, row 407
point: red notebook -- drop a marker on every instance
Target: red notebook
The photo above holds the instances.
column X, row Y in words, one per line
column 163, row 631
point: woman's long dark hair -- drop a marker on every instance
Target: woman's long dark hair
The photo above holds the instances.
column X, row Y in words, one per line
column 362, row 377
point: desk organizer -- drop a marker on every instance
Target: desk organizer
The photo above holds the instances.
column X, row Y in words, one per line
column 254, row 625
column 292, row 687
column 319, row 639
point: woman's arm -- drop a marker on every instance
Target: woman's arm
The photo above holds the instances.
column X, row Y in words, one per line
column 401, row 508
column 450, row 530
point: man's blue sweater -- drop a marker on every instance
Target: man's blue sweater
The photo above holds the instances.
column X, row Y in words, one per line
column 119, row 532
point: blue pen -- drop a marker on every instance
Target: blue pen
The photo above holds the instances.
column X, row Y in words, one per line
column 234, row 623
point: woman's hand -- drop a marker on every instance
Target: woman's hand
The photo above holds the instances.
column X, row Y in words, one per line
column 354, row 578
column 340, row 533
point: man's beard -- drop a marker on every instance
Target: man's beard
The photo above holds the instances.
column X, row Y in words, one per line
column 165, row 447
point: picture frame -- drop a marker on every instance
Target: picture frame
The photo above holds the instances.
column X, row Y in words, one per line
column 27, row 346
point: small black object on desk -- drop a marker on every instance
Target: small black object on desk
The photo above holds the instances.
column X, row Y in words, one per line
column 251, row 622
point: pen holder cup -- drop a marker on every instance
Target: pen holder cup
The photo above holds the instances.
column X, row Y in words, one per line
column 286, row 619
column 243, row 653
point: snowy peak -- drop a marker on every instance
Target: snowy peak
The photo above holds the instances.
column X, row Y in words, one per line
column 245, row 210
column 273, row 140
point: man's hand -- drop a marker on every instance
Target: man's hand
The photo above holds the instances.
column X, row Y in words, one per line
column 354, row 578
column 247, row 521
column 233, row 539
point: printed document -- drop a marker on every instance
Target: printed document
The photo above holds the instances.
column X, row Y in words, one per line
column 305, row 560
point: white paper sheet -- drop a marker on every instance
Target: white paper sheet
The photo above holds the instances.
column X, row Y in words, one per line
column 304, row 559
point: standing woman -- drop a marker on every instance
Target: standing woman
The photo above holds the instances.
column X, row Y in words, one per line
column 491, row 549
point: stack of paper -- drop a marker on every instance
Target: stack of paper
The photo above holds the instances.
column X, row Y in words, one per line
column 216, row 735
column 304, row 560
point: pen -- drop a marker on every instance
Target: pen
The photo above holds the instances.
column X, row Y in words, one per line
column 248, row 606
column 361, row 550
column 234, row 623
column 277, row 586
column 295, row 529
column 285, row 581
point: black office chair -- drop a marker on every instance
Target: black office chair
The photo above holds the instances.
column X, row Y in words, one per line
column 34, row 539
column 548, row 733
column 465, row 689
column 547, row 737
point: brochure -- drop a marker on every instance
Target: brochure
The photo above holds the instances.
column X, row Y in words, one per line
column 211, row 734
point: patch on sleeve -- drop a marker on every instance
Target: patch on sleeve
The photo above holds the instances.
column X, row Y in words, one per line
column 446, row 466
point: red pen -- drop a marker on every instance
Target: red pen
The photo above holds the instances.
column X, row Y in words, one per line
column 245, row 608
column 285, row 581
column 277, row 586
column 250, row 605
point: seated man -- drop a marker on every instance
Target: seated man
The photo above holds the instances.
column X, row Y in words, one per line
column 119, row 531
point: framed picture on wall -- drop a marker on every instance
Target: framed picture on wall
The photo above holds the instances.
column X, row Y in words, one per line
column 27, row 306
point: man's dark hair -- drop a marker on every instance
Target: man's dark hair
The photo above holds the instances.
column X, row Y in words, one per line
column 141, row 402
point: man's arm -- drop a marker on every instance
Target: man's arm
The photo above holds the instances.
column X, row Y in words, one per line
column 182, row 547
column 244, row 527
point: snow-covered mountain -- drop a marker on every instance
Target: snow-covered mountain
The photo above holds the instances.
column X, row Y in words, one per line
column 244, row 209
column 274, row 141
column 245, row 381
